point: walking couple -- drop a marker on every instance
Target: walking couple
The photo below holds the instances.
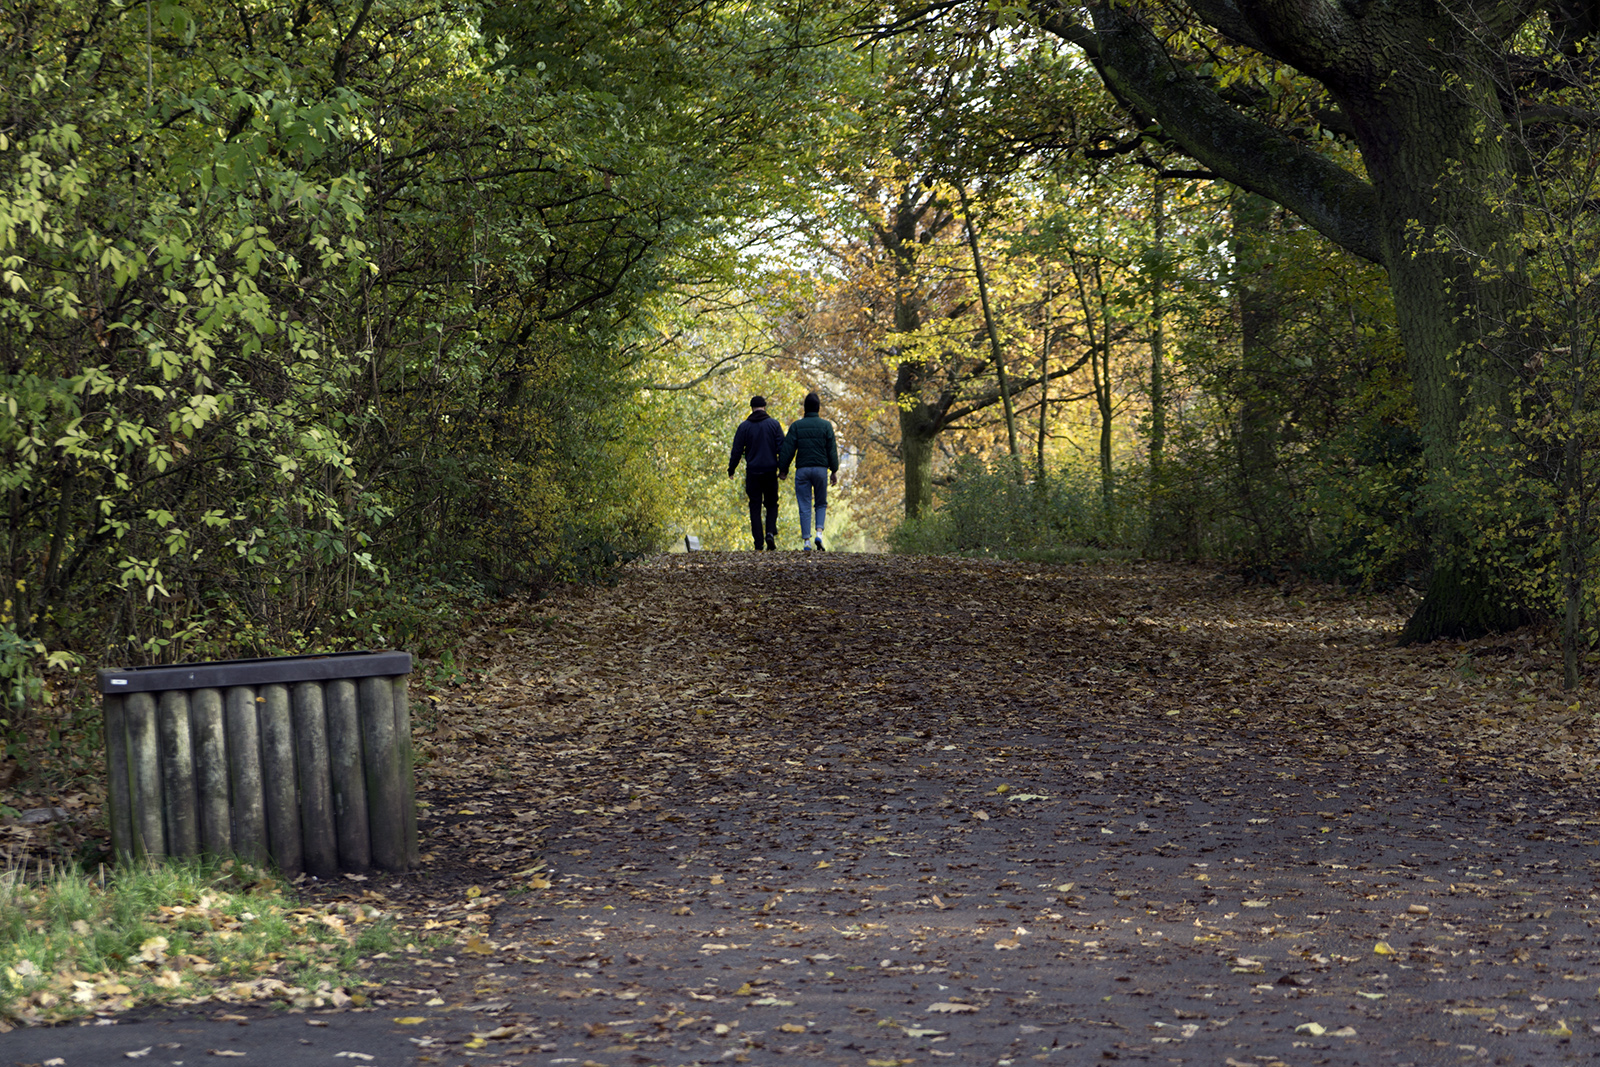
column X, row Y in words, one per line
column 767, row 452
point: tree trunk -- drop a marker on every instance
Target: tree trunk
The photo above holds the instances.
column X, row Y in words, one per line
column 996, row 353
column 1158, row 337
column 1460, row 604
column 1048, row 340
column 917, row 434
column 1451, row 249
column 1258, row 343
column 1163, row 524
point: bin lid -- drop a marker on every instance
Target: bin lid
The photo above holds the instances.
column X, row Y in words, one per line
column 220, row 674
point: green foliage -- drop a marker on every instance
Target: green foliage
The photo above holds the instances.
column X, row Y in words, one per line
column 71, row 944
column 1293, row 437
column 997, row 511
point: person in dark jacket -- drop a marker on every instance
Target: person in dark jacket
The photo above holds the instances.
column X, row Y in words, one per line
column 810, row 444
column 757, row 442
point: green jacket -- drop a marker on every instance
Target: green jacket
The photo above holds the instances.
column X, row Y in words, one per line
column 809, row 443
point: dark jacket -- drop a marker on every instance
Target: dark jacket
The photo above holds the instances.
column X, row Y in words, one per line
column 810, row 443
column 756, row 441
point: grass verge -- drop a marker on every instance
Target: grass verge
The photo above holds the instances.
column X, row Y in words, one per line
column 73, row 944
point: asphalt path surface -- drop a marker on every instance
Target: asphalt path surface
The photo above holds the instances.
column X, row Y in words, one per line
column 872, row 921
column 892, row 886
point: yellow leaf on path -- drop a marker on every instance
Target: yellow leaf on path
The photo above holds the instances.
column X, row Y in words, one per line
column 792, row 1028
column 1257, row 903
column 538, row 883
column 1314, row 1029
column 1343, row 1031
column 823, row 863
column 499, row 1033
column 1383, row 948
column 948, row 1008
column 474, row 892
column 223, row 1052
column 716, row 879
column 411, row 1020
column 478, row 946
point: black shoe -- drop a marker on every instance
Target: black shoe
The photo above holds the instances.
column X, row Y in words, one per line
column 771, row 545
column 819, row 545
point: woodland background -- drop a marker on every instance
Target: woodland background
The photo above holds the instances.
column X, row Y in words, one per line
column 323, row 322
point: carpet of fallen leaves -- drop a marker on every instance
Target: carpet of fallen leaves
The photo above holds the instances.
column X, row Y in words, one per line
column 866, row 810
column 891, row 810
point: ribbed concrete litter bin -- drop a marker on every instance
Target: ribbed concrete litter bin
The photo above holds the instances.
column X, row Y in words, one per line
column 301, row 761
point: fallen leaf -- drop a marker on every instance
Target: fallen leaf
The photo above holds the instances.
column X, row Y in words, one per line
column 950, row 1008
column 411, row 1020
column 499, row 1033
column 1383, row 948
column 791, row 1028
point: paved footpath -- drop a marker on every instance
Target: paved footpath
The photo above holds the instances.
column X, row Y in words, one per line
column 915, row 882
column 877, row 915
column 874, row 916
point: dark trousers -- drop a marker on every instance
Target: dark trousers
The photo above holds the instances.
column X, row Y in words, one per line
column 762, row 489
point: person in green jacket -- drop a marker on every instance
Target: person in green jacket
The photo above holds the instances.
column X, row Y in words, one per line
column 811, row 446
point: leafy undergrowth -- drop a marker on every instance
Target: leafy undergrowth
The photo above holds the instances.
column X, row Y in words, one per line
column 72, row 945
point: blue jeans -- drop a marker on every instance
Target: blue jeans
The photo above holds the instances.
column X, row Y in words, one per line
column 811, row 483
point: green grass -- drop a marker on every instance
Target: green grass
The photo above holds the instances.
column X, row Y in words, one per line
column 73, row 944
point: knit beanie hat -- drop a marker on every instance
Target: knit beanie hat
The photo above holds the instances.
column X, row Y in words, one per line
column 813, row 403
